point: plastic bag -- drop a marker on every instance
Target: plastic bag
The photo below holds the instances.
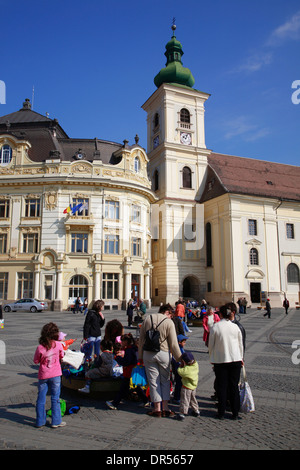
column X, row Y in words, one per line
column 246, row 397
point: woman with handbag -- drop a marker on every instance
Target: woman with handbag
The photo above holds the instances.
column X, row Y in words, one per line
column 225, row 346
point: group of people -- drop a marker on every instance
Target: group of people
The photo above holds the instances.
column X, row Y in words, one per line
column 80, row 306
column 223, row 335
column 135, row 307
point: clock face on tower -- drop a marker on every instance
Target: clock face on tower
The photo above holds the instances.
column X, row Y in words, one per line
column 185, row 138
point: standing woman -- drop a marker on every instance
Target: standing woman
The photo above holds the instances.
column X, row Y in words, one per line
column 49, row 354
column 225, row 346
column 94, row 321
column 158, row 363
column 208, row 322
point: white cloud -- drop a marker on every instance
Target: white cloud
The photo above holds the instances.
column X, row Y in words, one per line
column 244, row 128
column 255, row 62
column 288, row 30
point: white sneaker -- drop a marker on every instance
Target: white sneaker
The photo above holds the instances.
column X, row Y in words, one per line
column 85, row 389
column 62, row 424
column 110, row 405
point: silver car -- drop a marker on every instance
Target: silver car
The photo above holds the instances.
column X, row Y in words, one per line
column 30, row 305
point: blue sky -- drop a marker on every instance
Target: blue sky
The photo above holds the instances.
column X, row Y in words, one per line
column 92, row 66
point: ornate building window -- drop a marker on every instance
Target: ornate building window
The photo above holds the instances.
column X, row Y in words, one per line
column 186, row 177
column 25, row 285
column 111, row 244
column 252, row 227
column 32, row 207
column 110, row 286
column 3, row 243
column 135, row 246
column 112, row 210
column 79, row 242
column 137, row 164
column 208, row 245
column 5, row 155
column 3, row 285
column 185, row 116
column 136, row 214
column 4, row 208
column 290, row 231
column 293, row 274
column 254, row 256
column 83, row 206
column 30, row 242
column 156, row 180
column 78, row 287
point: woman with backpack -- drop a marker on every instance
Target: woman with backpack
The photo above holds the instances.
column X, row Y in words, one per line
column 159, row 328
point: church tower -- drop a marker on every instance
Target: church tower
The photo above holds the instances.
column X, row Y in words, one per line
column 177, row 167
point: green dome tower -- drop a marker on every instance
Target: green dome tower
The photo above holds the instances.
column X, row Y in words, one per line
column 174, row 72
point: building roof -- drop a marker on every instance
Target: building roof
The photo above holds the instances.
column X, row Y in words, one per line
column 239, row 175
column 49, row 140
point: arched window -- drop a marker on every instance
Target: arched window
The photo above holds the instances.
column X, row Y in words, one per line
column 253, row 256
column 186, row 177
column 293, row 273
column 137, row 164
column 156, row 180
column 185, row 116
column 78, row 287
column 156, row 120
column 208, row 245
column 5, row 155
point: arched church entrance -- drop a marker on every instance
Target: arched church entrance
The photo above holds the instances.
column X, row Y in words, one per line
column 191, row 288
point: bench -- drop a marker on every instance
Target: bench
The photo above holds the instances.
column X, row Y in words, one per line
column 195, row 323
column 102, row 384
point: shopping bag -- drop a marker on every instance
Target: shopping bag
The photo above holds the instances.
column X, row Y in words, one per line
column 246, row 397
column 138, row 376
column 74, row 358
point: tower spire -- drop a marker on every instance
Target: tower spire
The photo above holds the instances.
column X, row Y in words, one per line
column 174, row 72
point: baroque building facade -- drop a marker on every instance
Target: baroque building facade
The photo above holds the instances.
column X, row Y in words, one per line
column 74, row 215
column 99, row 219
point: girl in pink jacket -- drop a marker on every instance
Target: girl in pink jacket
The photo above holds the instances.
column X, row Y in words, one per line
column 49, row 355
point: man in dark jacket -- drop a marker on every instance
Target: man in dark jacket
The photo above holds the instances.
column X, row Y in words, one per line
column 94, row 321
column 268, row 308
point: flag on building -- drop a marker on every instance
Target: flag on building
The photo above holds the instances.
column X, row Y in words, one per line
column 67, row 210
column 76, row 208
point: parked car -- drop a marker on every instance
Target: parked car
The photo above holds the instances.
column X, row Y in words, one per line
column 30, row 305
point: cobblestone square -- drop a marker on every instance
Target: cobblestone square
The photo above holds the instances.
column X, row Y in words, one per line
column 272, row 375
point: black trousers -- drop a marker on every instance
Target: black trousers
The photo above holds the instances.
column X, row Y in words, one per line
column 227, row 386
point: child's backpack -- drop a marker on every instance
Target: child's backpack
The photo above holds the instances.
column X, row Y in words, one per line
column 152, row 338
column 65, row 408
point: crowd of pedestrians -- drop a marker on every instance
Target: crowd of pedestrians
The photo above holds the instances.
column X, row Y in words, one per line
column 171, row 370
column 169, row 366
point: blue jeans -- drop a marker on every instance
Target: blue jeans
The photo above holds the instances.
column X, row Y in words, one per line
column 54, row 384
column 94, row 341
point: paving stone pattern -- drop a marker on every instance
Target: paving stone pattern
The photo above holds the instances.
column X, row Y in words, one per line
column 273, row 378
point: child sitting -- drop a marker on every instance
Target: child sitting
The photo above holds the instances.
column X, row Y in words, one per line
column 103, row 365
column 188, row 371
column 126, row 358
column 117, row 369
